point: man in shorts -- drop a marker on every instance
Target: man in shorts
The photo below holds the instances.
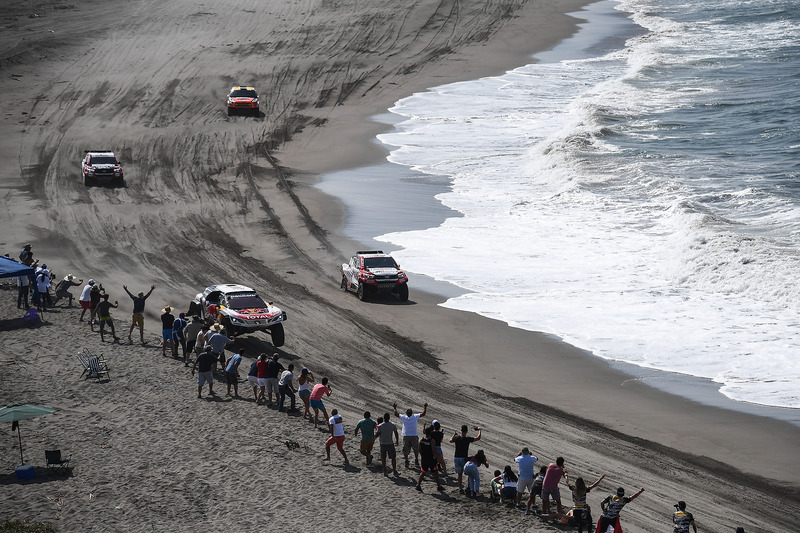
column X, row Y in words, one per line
column 232, row 373
column 104, row 316
column 178, row 326
column 337, row 436
column 555, row 471
column 462, row 443
column 63, row 287
column 137, row 315
column 525, row 464
column 167, row 319
column 261, row 376
column 274, row 369
column 410, row 432
column 367, row 428
column 285, row 388
column 86, row 300
column 384, row 432
column 204, row 363
column 315, row 400
column 252, row 378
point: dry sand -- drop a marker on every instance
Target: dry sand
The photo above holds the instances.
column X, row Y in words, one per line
column 213, row 199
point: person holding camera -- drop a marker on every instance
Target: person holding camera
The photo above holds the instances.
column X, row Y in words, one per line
column 682, row 519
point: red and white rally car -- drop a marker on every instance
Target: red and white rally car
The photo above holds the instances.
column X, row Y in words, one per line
column 101, row 166
column 370, row 272
column 239, row 309
column 243, row 98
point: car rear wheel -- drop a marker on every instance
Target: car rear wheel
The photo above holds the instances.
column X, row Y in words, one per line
column 278, row 335
column 402, row 292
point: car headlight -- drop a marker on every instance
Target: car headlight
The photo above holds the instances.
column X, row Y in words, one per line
column 255, row 101
column 368, row 275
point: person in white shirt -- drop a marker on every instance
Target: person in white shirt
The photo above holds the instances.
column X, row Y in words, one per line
column 337, row 436
column 410, row 433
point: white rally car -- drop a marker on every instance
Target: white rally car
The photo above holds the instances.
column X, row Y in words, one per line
column 371, row 272
column 239, row 309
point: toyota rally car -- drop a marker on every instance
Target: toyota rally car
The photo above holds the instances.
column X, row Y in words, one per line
column 239, row 309
column 242, row 98
column 101, row 166
column 371, row 272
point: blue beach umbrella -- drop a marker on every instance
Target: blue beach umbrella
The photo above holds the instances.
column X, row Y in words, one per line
column 20, row 411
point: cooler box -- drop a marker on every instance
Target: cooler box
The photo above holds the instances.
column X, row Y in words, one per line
column 25, row 472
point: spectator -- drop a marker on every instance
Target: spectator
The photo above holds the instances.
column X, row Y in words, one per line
column 261, row 369
column 437, row 435
column 232, row 373
column 274, row 369
column 555, row 471
column 252, row 378
column 285, row 388
column 508, row 481
column 23, row 289
column 204, row 364
column 525, row 464
column 682, row 519
column 200, row 340
column 95, row 295
column 86, row 300
column 304, row 390
column 104, row 317
column 462, row 443
column 581, row 511
column 26, row 256
column 337, row 436
column 218, row 341
column 63, row 287
column 429, row 462
column 410, row 432
column 537, row 489
column 367, row 428
column 473, row 475
column 137, row 315
column 384, row 431
column 178, row 325
column 315, row 400
column 612, row 506
column 167, row 319
column 191, row 331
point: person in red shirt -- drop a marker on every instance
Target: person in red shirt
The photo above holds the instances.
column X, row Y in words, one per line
column 261, row 375
column 555, row 471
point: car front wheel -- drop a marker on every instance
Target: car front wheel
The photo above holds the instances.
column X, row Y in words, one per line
column 402, row 292
column 362, row 292
column 343, row 285
column 278, row 335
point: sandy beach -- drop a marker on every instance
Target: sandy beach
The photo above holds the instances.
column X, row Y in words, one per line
column 211, row 199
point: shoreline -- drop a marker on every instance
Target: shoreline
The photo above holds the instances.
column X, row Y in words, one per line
column 695, row 394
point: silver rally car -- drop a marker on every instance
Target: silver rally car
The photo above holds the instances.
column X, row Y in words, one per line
column 239, row 309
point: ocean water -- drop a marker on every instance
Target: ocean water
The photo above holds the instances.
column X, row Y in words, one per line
column 635, row 192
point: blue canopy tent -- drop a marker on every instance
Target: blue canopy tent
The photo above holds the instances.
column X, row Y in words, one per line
column 11, row 269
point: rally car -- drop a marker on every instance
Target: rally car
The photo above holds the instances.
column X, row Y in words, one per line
column 370, row 272
column 239, row 309
column 242, row 98
column 101, row 166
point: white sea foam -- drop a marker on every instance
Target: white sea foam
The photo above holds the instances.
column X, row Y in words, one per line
column 589, row 214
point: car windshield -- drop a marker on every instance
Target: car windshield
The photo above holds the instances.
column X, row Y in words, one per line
column 243, row 93
column 379, row 262
column 104, row 160
column 245, row 301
